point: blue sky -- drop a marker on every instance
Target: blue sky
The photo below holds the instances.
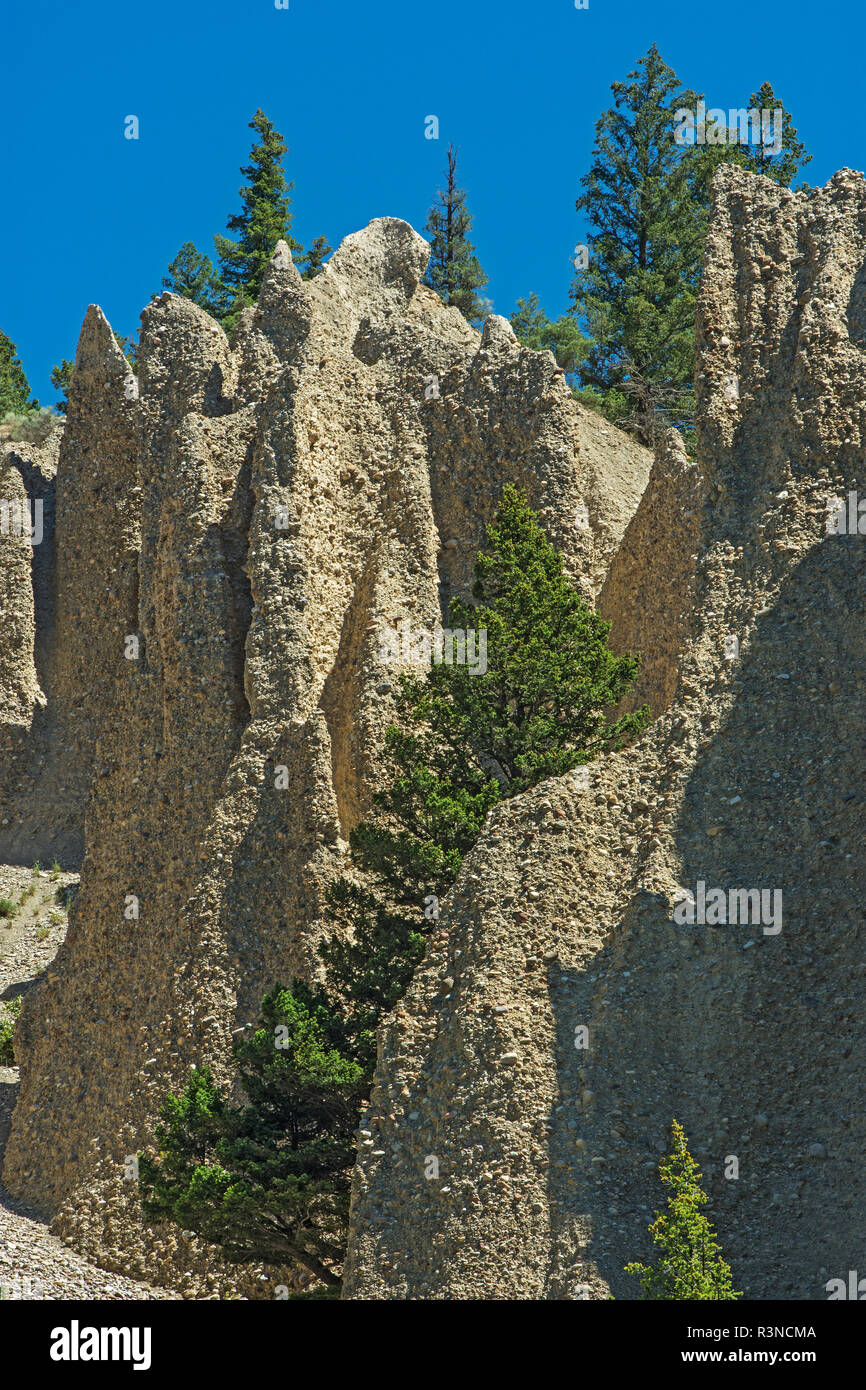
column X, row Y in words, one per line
column 89, row 216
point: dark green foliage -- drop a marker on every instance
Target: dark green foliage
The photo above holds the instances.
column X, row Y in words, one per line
column 61, row 378
column 560, row 336
column 782, row 165
column 537, row 711
column 468, row 738
column 314, row 259
column 14, row 387
column 192, row 275
column 265, row 218
column 646, row 201
column 690, row 1266
column 637, row 296
column 454, row 270
column 371, row 959
column 268, row 1180
column 9, row 1012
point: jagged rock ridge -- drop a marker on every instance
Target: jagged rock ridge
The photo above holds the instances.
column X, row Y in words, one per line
column 235, row 530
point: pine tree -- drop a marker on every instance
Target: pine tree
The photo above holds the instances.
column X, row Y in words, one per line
column 637, row 296
column 265, row 218
column 371, row 958
column 268, row 1180
column 561, row 336
column 760, row 156
column 781, row 166
column 192, row 275
column 14, row 387
column 468, row 738
column 314, row 259
column 690, row 1266
column 454, row 270
column 61, row 380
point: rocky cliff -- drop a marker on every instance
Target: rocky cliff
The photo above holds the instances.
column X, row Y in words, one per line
column 256, row 516
column 236, row 528
column 569, row 1008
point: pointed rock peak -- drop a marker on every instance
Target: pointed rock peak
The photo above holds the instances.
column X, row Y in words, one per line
column 387, row 253
column 497, row 332
column 281, row 273
column 283, row 312
column 98, row 352
column 282, row 257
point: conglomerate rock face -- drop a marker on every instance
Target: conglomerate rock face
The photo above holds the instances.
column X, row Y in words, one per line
column 238, row 530
column 27, row 525
column 682, row 937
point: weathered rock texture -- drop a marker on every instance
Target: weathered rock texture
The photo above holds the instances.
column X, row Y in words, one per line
column 648, row 595
column 28, row 824
column 80, row 591
column 235, row 532
column 562, row 917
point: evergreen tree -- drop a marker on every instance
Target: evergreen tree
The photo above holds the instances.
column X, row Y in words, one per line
column 265, row 218
column 314, row 259
column 61, row 380
column 760, row 157
column 469, row 738
column 646, row 199
column 690, row 1266
column 781, row 166
column 371, row 959
column 637, row 296
column 192, row 275
column 14, row 387
column 268, row 1180
column 454, row 270
column 561, row 336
